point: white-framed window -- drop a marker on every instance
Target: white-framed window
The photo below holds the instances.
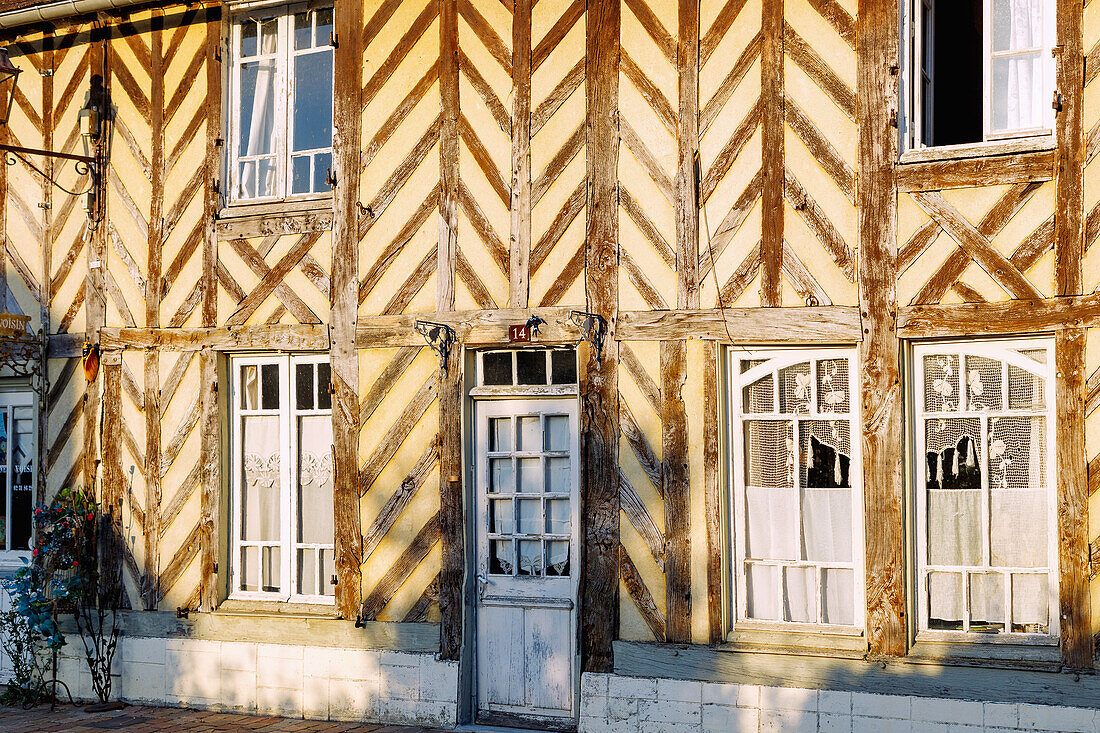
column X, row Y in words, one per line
column 978, row 70
column 282, row 478
column 796, row 489
column 280, row 103
column 986, row 532
column 18, row 468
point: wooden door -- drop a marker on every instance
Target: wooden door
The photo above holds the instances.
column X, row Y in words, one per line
column 527, row 484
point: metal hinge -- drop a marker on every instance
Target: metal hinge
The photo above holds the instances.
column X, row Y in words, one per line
column 329, row 178
column 334, row 581
column 1056, row 103
column 215, row 568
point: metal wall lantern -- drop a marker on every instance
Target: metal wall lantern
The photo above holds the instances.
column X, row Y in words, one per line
column 94, row 120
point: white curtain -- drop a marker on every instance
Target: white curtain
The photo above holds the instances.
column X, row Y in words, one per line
column 827, row 524
column 257, row 96
column 260, row 496
column 1018, row 92
column 315, row 503
column 773, row 531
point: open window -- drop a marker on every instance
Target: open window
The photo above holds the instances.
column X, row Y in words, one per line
column 280, row 106
column 986, row 539
column 796, row 489
column 979, row 70
column 282, row 479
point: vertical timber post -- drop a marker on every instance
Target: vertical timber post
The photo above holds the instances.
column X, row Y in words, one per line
column 95, row 305
column 452, row 574
column 599, row 389
column 771, row 92
column 1069, row 245
column 345, row 305
column 210, row 460
column 877, row 92
column 520, row 246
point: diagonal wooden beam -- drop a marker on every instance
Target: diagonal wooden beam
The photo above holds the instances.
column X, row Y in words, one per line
column 646, row 226
column 645, row 157
column 730, row 83
column 818, row 222
column 819, row 70
column 640, row 376
column 271, row 280
column 640, row 595
column 718, row 29
column 565, row 217
column 399, row 113
column 729, row 153
column 650, row 92
column 484, row 160
column 485, row 33
column 385, row 258
column 800, row 278
column 731, row 223
column 640, row 445
column 554, row 168
column 391, row 511
column 401, row 569
column 653, row 26
column 639, row 517
column 398, row 431
column 557, row 32
column 485, row 91
column 553, row 101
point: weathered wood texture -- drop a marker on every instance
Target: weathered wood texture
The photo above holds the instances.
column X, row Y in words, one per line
column 772, row 96
column 881, row 403
column 599, row 373
column 677, row 491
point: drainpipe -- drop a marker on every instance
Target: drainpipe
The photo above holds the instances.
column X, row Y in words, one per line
column 60, row 9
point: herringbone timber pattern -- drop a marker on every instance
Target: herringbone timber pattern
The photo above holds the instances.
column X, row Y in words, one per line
column 642, row 516
column 275, row 279
column 731, row 177
column 399, row 453
column 131, row 451
column 400, row 176
column 558, row 173
column 64, row 445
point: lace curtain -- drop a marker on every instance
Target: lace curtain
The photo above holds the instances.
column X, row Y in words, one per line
column 1017, row 80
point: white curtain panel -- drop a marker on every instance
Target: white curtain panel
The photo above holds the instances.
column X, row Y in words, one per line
column 1017, row 81
column 315, row 487
column 827, row 524
column 260, row 500
column 258, row 97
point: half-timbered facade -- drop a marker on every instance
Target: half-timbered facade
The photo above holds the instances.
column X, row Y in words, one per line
column 629, row 364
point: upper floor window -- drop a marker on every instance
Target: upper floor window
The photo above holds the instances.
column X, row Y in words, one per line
column 986, row 538
column 980, row 70
column 795, row 482
column 282, row 479
column 281, row 103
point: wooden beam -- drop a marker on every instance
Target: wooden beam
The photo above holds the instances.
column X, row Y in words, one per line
column 823, row 324
column 278, row 337
column 883, row 487
column 1069, row 130
column 640, row 595
column 150, row 580
column 473, row 328
column 599, row 372
column 971, row 172
column 209, row 481
column 1006, row 317
column 95, row 302
column 519, row 255
column 446, row 252
column 677, row 492
column 687, row 173
column 711, row 491
column 1072, row 498
column 111, row 495
column 452, row 573
column 772, row 97
column 344, row 293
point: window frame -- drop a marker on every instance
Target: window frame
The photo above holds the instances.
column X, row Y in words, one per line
column 288, row 501
column 736, row 532
column 284, row 88
column 1001, row 350
column 913, row 36
column 27, row 399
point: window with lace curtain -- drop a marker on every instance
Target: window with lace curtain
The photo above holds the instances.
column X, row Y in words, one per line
column 985, row 502
column 280, row 109
column 796, row 489
column 282, row 479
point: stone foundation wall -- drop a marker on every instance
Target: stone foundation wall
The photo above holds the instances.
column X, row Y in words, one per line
column 322, row 683
column 617, row 704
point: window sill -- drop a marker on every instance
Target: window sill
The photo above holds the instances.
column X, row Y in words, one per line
column 1003, row 167
column 280, row 609
column 1044, row 654
column 823, row 642
column 278, row 217
column 989, row 149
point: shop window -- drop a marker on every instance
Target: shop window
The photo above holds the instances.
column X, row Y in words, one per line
column 281, row 77
column 18, row 468
column 282, row 479
column 979, row 70
column 795, row 483
column 985, row 498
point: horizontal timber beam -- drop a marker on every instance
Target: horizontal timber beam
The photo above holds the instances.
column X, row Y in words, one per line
column 825, row 324
column 471, row 327
column 278, row 337
column 1008, row 317
column 970, row 172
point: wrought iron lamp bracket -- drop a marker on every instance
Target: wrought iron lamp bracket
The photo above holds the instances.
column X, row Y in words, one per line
column 440, row 338
column 593, row 328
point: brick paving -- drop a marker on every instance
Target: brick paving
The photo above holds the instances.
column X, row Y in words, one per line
column 143, row 719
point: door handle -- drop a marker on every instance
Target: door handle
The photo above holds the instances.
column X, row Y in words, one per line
column 482, row 582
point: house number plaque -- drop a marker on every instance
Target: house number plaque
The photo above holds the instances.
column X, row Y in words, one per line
column 519, row 334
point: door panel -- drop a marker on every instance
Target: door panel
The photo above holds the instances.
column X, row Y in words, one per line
column 527, row 484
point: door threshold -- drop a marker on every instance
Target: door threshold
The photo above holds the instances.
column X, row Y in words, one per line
column 476, row 728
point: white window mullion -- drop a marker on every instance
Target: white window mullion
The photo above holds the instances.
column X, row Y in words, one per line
column 287, row 469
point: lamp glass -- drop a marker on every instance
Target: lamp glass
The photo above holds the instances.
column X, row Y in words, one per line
column 9, row 74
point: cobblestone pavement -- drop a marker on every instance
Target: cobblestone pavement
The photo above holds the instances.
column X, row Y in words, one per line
column 141, row 719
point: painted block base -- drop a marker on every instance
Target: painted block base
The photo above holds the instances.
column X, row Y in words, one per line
column 617, row 704
column 321, row 683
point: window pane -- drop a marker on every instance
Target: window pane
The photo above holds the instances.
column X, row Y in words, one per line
column 987, row 602
column 257, row 108
column 1017, row 92
column 322, row 166
column 303, row 31
column 557, row 432
column 946, row 601
column 826, row 449
column 1025, row 390
column 557, row 557
column 759, row 396
column 250, row 387
column 324, row 386
column 308, row 584
column 531, row 367
column 312, row 103
column 838, row 596
column 941, row 383
column 1030, row 598
column 769, row 453
column 303, row 386
column 324, row 26
column 500, row 434
column 1018, row 528
column 529, row 479
column 250, row 568
column 773, row 526
column 761, row 593
column 794, row 389
column 270, row 569
column 799, row 593
column 530, row 557
column 260, row 486
column 954, row 492
column 983, row 383
column 1017, row 452
column 496, row 367
column 558, row 478
column 22, row 490
column 500, row 516
column 557, row 516
column 1017, row 24
column 315, row 488
column 563, row 367
column 269, row 386
column 529, row 434
column 4, row 417
column 500, row 475
column 832, row 386
column 501, row 560
column 300, row 175
column 529, row 516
